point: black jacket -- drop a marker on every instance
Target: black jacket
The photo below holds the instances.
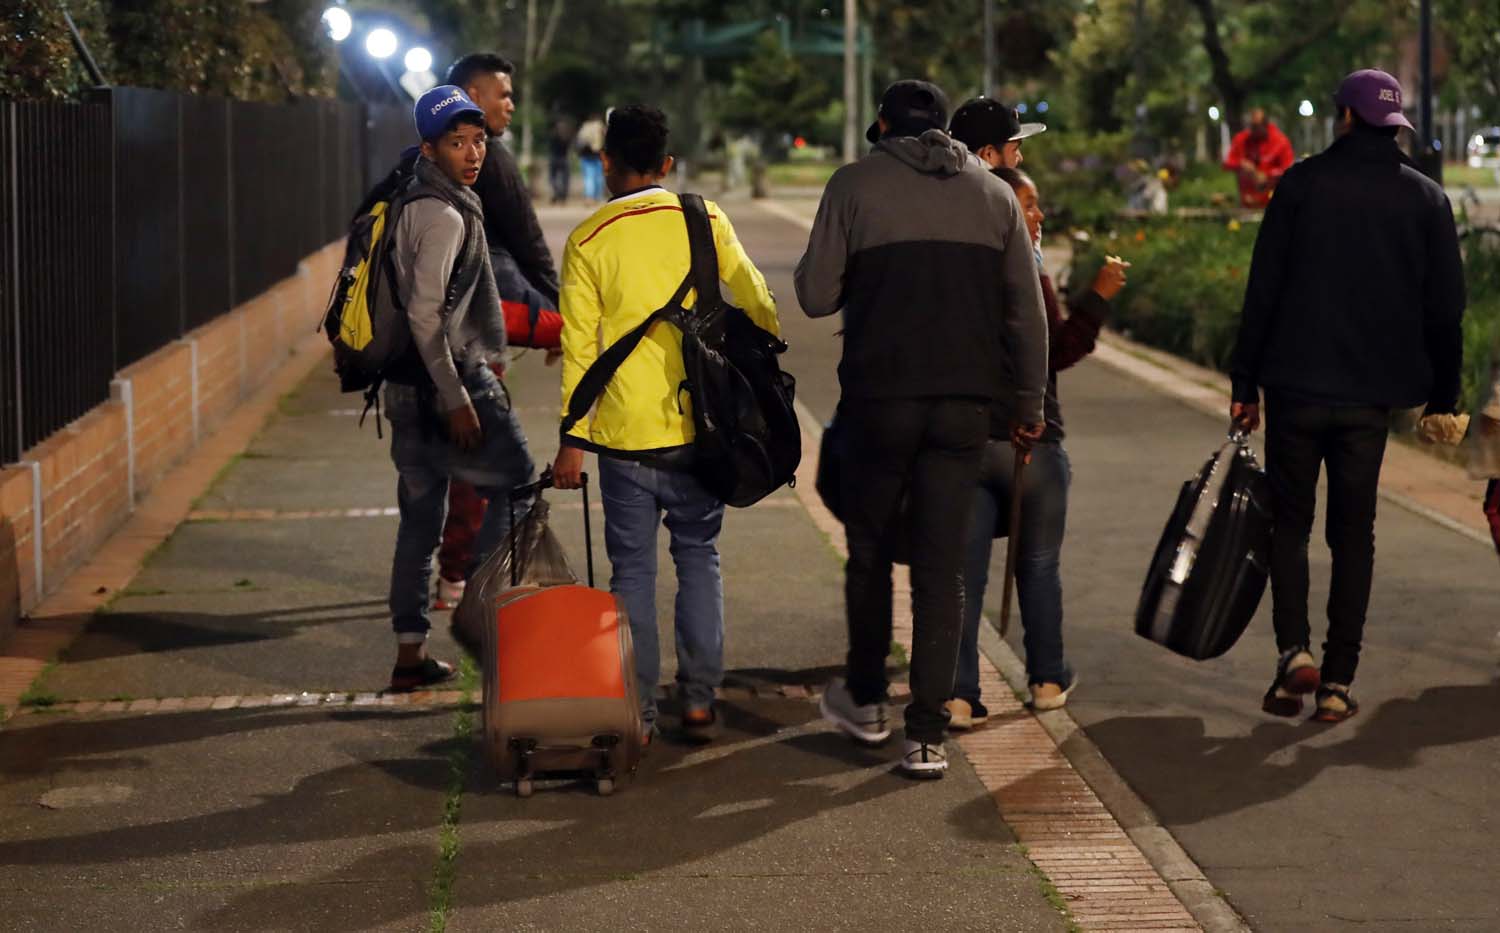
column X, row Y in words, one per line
column 927, row 255
column 510, row 220
column 1356, row 291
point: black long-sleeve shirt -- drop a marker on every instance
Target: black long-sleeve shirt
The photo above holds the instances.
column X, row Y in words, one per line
column 1356, row 289
column 510, row 220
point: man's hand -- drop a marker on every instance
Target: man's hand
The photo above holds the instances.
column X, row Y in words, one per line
column 463, row 427
column 1245, row 415
column 1024, row 436
column 1111, row 278
column 567, row 469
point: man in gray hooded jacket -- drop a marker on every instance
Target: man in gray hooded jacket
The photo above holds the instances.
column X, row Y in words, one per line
column 450, row 417
column 928, row 256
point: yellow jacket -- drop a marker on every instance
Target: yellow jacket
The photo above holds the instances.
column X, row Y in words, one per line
column 619, row 266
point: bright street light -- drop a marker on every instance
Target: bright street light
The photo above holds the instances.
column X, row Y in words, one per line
column 1305, row 108
column 338, row 22
column 1213, row 114
column 381, row 43
column 418, row 60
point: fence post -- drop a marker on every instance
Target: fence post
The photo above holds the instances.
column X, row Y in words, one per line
column 13, row 266
column 124, row 392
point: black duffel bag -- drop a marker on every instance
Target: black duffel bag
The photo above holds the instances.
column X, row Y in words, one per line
column 1211, row 565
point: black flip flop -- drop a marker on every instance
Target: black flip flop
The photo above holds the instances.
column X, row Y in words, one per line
column 416, row 676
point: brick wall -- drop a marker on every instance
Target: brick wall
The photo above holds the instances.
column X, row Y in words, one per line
column 87, row 469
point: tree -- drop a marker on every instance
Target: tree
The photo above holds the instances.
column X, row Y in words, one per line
column 774, row 93
column 1473, row 30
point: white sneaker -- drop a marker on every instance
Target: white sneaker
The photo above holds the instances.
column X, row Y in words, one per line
column 1051, row 695
column 449, row 594
column 924, row 760
column 865, row 724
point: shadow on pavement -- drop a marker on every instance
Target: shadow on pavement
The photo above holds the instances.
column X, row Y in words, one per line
column 686, row 806
column 121, row 634
column 1225, row 774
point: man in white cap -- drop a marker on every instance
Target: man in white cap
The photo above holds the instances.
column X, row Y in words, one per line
column 992, row 131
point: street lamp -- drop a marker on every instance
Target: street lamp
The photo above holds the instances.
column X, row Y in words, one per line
column 338, row 22
column 1213, row 114
column 1305, row 108
column 381, row 43
column 418, row 60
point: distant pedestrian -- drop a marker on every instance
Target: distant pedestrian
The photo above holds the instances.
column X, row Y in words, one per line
column 1259, row 156
column 450, row 418
column 927, row 255
column 1044, row 498
column 590, row 143
column 619, row 267
column 1352, row 309
column 992, row 131
column 525, row 278
column 559, row 152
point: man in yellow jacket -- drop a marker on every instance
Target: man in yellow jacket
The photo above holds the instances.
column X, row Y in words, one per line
column 619, row 266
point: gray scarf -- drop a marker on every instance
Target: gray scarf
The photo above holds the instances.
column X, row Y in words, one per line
column 476, row 328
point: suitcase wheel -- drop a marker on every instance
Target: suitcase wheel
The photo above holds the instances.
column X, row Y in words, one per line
column 524, row 787
column 605, row 786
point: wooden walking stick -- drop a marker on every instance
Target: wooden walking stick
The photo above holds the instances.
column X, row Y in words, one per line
column 1011, row 548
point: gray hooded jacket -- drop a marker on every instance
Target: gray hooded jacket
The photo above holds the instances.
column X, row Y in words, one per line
column 928, row 256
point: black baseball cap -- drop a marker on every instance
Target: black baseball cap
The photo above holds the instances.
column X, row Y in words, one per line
column 984, row 121
column 911, row 107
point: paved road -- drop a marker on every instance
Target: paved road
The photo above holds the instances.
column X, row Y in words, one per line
column 1384, row 823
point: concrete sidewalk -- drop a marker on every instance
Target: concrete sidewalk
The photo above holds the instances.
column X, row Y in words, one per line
column 212, row 753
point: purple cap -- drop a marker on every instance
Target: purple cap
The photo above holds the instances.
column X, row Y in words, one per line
column 436, row 110
column 1374, row 96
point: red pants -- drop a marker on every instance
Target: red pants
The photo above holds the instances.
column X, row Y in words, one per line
column 1492, row 509
column 465, row 514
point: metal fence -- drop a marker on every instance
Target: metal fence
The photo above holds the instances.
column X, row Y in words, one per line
column 130, row 219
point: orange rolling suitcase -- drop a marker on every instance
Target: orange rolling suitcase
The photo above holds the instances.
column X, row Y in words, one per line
column 559, row 680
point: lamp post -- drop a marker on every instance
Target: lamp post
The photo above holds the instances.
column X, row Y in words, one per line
column 851, row 81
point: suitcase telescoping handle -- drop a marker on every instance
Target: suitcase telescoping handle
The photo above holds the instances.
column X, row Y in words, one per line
column 531, row 489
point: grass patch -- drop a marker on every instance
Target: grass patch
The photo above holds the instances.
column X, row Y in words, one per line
column 1050, row 891
column 38, row 697
column 120, row 698
column 243, row 583
column 898, row 654
column 141, row 591
column 460, row 760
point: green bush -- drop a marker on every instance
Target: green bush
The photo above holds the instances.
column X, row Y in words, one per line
column 1186, row 283
column 1075, row 173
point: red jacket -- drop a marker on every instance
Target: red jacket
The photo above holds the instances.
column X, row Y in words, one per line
column 1271, row 156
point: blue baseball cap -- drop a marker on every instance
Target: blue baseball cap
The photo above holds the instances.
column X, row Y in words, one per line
column 436, row 110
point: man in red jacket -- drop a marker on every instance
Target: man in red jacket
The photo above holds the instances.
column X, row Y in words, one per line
column 1259, row 155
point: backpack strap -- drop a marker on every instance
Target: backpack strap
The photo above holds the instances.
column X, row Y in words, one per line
column 702, row 276
column 598, row 375
column 705, row 261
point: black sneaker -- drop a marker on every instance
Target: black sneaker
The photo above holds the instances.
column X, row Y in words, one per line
column 416, row 676
column 1296, row 676
column 1335, row 704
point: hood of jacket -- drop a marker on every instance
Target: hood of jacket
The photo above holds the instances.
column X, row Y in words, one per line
column 932, row 153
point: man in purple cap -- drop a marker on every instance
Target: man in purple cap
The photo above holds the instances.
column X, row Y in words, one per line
column 1353, row 308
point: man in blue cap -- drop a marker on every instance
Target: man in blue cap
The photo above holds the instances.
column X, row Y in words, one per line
column 1353, row 308
column 450, row 418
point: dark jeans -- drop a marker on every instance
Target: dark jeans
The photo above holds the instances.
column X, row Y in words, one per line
column 1300, row 437
column 557, row 174
column 929, row 450
column 1044, row 517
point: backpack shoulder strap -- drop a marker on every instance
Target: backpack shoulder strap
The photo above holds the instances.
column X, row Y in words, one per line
column 603, row 369
column 705, row 256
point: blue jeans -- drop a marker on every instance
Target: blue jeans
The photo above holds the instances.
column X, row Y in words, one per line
column 592, row 170
column 635, row 495
column 425, row 462
column 1044, row 511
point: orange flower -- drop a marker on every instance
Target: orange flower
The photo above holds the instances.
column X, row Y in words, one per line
column 1140, row 236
